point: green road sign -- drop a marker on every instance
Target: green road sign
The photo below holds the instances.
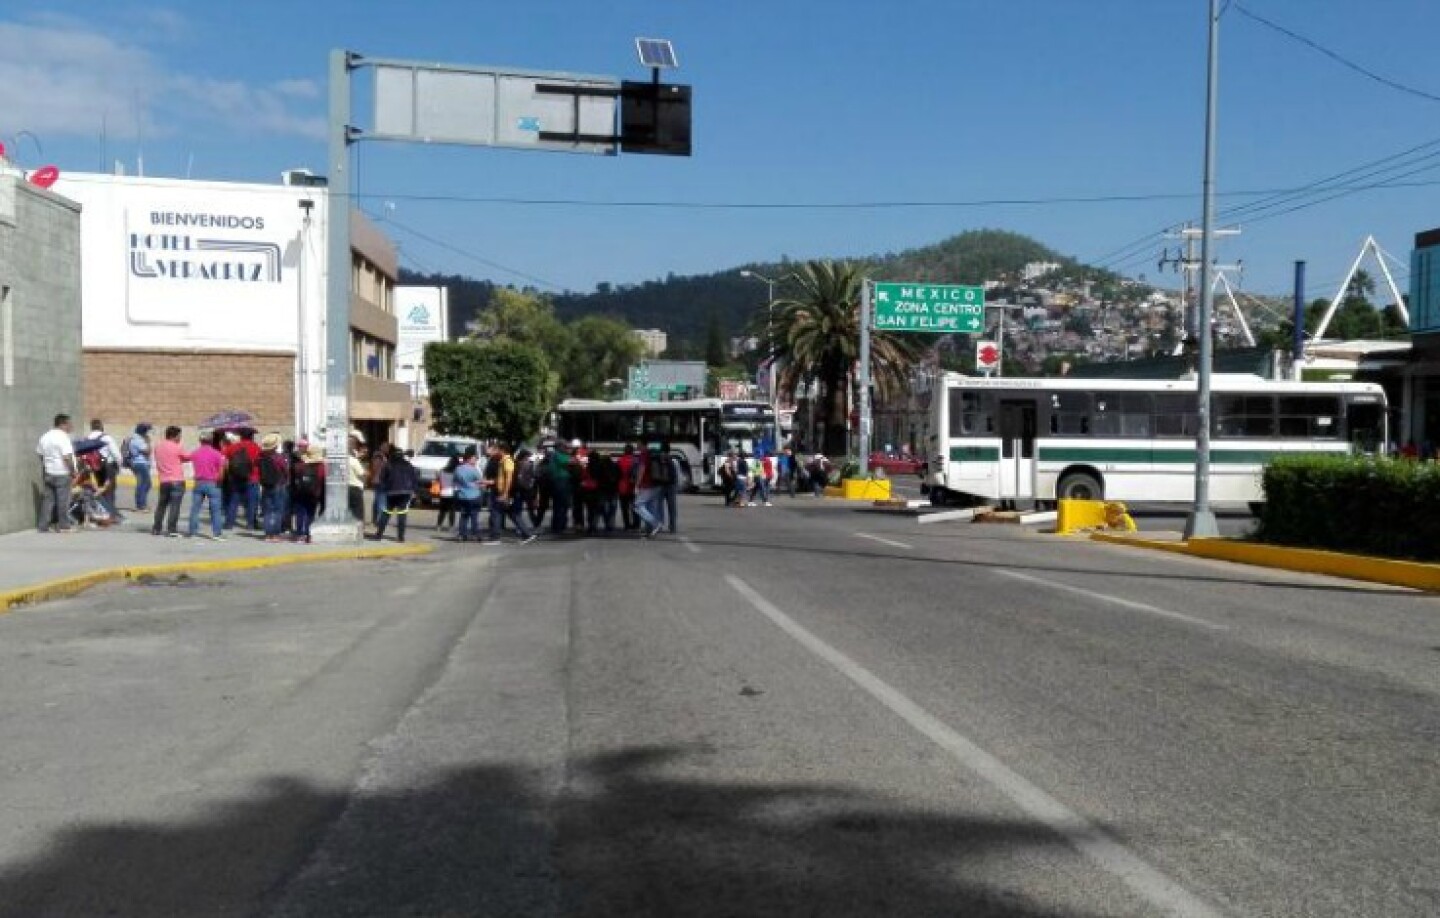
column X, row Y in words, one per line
column 938, row 308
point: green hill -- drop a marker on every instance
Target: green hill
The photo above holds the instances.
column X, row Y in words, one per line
column 683, row 305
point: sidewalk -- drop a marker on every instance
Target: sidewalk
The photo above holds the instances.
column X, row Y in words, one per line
column 38, row 566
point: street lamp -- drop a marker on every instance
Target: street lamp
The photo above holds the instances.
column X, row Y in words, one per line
column 769, row 327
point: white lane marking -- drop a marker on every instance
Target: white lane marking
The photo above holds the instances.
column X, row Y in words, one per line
column 1087, row 837
column 694, row 549
column 1114, row 600
column 883, row 541
column 406, row 590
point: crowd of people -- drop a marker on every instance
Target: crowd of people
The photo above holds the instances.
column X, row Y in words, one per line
column 275, row 488
column 582, row 492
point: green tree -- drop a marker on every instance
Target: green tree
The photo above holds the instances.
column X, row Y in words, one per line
column 816, row 335
column 495, row 390
column 603, row 349
column 716, row 352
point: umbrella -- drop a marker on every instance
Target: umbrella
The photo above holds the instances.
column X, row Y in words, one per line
column 230, row 419
column 88, row 446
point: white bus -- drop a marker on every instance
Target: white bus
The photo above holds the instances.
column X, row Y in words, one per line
column 1134, row 440
column 699, row 429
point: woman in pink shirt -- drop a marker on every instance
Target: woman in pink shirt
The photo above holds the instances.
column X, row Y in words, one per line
column 170, row 465
column 208, row 463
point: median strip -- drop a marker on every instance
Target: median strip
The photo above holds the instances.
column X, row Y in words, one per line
column 1414, row 575
column 64, row 587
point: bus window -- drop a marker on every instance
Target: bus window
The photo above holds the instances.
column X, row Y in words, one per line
column 972, row 414
column 1175, row 416
column 657, row 424
column 1122, row 414
column 606, row 428
column 576, row 425
column 1244, row 416
column 1314, row 417
column 1070, row 414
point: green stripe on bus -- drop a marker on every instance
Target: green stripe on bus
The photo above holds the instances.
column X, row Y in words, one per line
column 974, row 453
column 1118, row 454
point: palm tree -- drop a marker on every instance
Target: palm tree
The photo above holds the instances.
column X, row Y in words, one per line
column 816, row 337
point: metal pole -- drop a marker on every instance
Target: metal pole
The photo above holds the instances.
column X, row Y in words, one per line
column 338, row 525
column 1202, row 523
column 865, row 376
column 770, row 336
column 1297, row 337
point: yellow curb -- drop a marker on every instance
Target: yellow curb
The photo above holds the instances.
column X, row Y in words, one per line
column 1415, row 575
column 71, row 586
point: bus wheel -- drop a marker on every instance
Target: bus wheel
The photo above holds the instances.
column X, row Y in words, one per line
column 1080, row 486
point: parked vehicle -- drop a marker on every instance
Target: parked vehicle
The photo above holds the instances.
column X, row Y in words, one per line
column 433, row 456
column 896, row 463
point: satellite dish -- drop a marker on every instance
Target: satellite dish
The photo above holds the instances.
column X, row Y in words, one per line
column 45, row 176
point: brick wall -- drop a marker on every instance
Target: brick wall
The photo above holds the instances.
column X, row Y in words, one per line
column 124, row 387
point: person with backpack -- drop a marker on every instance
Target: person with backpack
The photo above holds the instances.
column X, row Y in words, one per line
column 398, row 482
column 562, row 476
column 307, row 487
column 445, row 518
column 579, row 458
column 107, row 470
column 649, row 493
column 544, row 485
column 242, row 480
column 274, row 473
column 378, row 459
column 467, row 496
column 135, row 455
column 503, row 502
column 669, row 482
column 625, row 493
column 605, row 472
column 742, row 479
column 526, row 483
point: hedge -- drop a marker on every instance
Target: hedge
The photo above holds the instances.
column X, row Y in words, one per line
column 1384, row 507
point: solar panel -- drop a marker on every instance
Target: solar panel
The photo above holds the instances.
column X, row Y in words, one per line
column 657, row 52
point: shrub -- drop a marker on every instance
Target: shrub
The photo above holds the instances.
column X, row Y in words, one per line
column 1380, row 507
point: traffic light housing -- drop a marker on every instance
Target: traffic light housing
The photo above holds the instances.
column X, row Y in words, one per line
column 655, row 118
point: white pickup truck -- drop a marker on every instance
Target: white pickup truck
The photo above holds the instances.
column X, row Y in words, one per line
column 433, row 456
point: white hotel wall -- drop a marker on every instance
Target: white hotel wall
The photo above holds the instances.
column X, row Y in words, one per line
column 272, row 310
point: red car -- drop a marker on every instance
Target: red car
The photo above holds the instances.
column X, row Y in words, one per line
column 896, row 463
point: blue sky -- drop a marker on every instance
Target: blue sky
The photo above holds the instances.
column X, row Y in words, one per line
column 798, row 101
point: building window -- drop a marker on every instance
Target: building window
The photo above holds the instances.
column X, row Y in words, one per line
column 7, row 338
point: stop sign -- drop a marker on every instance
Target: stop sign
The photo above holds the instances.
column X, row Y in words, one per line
column 987, row 355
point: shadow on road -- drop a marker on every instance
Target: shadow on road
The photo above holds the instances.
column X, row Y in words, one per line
column 629, row 838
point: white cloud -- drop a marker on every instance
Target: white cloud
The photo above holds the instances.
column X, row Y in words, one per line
column 61, row 78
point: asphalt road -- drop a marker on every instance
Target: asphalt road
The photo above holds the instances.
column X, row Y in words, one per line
column 799, row 710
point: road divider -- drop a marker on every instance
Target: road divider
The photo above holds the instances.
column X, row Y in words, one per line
column 1415, row 575
column 64, row 587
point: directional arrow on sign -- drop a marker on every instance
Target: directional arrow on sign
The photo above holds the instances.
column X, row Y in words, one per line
column 974, row 324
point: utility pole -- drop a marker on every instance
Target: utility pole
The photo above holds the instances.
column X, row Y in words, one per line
column 1186, row 264
column 1201, row 522
column 865, row 420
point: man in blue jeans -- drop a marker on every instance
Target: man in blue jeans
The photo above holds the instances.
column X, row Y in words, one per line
column 209, row 464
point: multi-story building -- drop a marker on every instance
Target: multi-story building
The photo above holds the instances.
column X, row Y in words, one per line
column 653, row 340
column 204, row 296
column 40, row 370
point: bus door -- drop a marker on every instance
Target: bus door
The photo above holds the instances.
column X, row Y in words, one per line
column 1017, row 429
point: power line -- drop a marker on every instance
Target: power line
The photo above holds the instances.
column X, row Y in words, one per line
column 1336, row 56
column 455, row 250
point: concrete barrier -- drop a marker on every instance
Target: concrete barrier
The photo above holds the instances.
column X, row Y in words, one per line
column 870, row 489
column 1415, row 575
column 1082, row 515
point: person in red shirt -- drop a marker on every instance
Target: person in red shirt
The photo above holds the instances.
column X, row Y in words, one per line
column 242, row 479
column 627, row 488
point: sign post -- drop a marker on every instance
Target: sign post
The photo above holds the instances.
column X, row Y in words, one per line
column 865, row 286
